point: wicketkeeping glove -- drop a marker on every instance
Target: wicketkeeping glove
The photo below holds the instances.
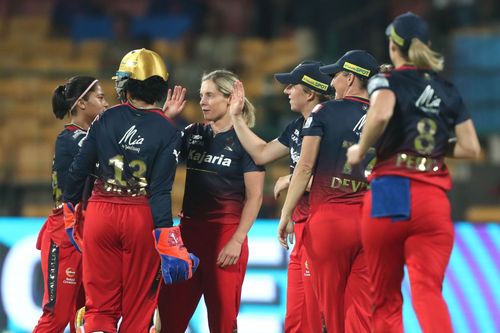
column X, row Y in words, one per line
column 72, row 214
column 176, row 263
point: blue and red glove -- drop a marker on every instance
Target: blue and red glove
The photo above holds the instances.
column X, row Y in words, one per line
column 72, row 219
column 177, row 264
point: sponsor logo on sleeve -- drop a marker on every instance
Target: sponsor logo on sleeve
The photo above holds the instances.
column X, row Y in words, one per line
column 379, row 81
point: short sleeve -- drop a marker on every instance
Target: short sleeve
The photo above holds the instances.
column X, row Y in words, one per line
column 249, row 165
column 315, row 123
column 377, row 82
column 285, row 136
column 461, row 111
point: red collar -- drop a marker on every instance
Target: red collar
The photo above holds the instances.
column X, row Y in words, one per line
column 154, row 110
column 357, row 99
column 73, row 127
column 411, row 68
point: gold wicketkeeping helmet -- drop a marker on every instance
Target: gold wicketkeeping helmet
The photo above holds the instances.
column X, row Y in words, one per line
column 141, row 64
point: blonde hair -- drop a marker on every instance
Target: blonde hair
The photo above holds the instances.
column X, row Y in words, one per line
column 421, row 55
column 224, row 80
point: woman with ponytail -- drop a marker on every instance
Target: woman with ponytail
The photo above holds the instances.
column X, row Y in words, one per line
column 222, row 198
column 406, row 220
column 80, row 100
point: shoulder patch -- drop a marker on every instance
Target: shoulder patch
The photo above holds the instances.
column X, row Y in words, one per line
column 378, row 81
column 317, row 107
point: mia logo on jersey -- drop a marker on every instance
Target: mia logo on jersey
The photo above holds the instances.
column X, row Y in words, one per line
column 212, row 159
column 359, row 125
column 130, row 140
column 428, row 101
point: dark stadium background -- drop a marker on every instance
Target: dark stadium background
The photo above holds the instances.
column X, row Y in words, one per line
column 44, row 42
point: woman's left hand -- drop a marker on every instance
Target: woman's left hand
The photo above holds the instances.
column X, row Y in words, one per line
column 176, row 100
column 286, row 231
column 230, row 253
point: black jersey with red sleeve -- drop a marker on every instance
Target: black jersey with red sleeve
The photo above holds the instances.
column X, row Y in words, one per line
column 68, row 144
column 291, row 137
column 339, row 124
column 136, row 151
column 216, row 164
column 415, row 140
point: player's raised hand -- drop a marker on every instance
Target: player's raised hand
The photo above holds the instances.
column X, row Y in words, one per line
column 237, row 99
column 175, row 102
column 286, row 231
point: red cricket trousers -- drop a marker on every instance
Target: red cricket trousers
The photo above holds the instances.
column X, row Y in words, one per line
column 62, row 276
column 120, row 267
column 302, row 307
column 424, row 244
column 221, row 287
column 340, row 278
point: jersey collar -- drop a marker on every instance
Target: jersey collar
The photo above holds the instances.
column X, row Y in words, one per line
column 357, row 99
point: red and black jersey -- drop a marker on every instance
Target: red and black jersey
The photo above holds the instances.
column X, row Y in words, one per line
column 339, row 124
column 68, row 144
column 215, row 186
column 426, row 112
column 134, row 148
column 291, row 137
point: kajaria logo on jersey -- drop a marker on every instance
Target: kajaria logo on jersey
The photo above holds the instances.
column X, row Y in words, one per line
column 130, row 140
column 212, row 159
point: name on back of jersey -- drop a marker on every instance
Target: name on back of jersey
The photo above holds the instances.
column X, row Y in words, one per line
column 207, row 158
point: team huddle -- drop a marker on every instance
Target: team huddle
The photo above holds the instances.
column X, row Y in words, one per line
column 365, row 197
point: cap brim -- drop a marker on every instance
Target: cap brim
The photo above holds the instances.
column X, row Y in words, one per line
column 285, row 78
column 330, row 69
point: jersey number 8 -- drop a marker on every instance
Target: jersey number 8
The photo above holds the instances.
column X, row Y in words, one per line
column 425, row 142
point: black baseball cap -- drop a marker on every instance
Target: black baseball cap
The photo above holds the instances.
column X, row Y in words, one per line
column 407, row 26
column 358, row 62
column 307, row 73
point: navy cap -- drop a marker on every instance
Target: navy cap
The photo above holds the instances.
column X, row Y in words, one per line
column 307, row 73
column 407, row 26
column 358, row 62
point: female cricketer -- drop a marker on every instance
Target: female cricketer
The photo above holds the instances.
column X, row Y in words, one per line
column 332, row 235
column 305, row 87
column 82, row 99
column 222, row 198
column 406, row 216
column 129, row 211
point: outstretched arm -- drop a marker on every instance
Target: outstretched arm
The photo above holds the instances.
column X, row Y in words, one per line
column 261, row 152
column 382, row 104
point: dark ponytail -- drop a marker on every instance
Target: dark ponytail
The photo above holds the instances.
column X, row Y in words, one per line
column 66, row 95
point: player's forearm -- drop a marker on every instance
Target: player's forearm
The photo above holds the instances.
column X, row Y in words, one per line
column 297, row 187
column 248, row 216
column 372, row 131
column 254, row 145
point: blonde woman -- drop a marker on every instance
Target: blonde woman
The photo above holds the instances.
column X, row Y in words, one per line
column 223, row 195
column 406, row 214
